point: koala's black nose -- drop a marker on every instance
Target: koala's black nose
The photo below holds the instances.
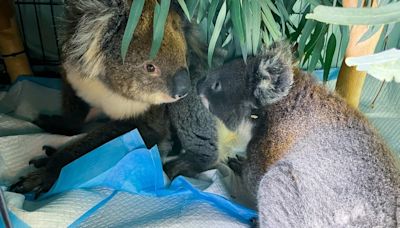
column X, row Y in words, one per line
column 199, row 86
column 181, row 84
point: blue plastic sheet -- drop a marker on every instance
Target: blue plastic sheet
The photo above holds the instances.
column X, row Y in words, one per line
column 126, row 165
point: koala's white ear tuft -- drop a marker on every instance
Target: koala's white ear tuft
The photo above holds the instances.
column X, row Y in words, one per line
column 88, row 26
column 274, row 76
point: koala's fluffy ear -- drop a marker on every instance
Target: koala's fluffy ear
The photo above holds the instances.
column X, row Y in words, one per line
column 274, row 74
column 89, row 25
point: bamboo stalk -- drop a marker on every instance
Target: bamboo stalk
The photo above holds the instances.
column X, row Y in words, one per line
column 350, row 81
column 11, row 46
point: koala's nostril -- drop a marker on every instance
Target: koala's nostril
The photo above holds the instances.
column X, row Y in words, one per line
column 181, row 84
column 216, row 86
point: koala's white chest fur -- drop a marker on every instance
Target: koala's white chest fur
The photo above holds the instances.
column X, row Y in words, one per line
column 235, row 143
column 94, row 92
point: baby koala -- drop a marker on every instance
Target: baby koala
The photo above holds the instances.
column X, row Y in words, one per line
column 312, row 161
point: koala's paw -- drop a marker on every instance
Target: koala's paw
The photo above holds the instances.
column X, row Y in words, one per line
column 254, row 222
column 56, row 125
column 38, row 182
column 42, row 162
column 236, row 164
column 178, row 167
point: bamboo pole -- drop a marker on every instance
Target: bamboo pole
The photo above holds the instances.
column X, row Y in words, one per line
column 11, row 46
column 350, row 81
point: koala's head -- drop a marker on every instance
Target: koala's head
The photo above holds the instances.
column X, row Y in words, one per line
column 234, row 90
column 91, row 46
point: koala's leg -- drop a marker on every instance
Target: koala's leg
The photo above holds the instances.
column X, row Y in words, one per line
column 42, row 179
column 73, row 116
column 279, row 200
column 190, row 163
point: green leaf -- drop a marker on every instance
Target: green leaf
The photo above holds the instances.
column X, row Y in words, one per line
column 370, row 32
column 329, row 53
column 248, row 24
column 316, row 54
column 344, row 40
column 160, row 17
column 134, row 16
column 202, row 11
column 211, row 13
column 393, row 40
column 217, row 29
column 308, row 28
column 185, row 9
column 265, row 37
column 238, row 25
column 386, row 14
column 294, row 36
column 272, row 7
column 269, row 22
column 314, row 2
column 319, row 33
column 228, row 39
column 256, row 25
column 192, row 5
column 283, row 12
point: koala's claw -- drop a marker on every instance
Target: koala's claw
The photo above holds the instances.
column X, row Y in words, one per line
column 39, row 162
column 49, row 150
column 42, row 162
column 38, row 182
column 236, row 164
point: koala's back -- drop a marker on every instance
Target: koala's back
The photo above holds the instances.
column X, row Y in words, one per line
column 322, row 182
column 335, row 171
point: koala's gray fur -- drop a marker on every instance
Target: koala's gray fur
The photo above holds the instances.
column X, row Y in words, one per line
column 195, row 125
column 312, row 160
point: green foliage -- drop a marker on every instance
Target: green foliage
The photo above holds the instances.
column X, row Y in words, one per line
column 357, row 16
column 160, row 17
column 319, row 27
column 134, row 16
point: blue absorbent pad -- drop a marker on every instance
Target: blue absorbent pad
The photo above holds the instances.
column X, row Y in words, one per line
column 128, row 180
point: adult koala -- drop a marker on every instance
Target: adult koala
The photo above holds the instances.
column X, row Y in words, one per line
column 312, row 161
column 132, row 94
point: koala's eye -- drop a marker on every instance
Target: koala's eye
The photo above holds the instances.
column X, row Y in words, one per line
column 150, row 68
column 216, row 86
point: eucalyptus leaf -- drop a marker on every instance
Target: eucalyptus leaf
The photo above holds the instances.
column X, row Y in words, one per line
column 248, row 25
column 211, row 13
column 238, row 26
column 185, row 9
column 228, row 39
column 158, row 27
column 272, row 7
column 269, row 21
column 329, row 53
column 385, row 14
column 393, row 40
column 217, row 29
column 202, row 11
column 299, row 29
column 370, row 32
column 314, row 2
column 256, row 22
column 319, row 33
column 316, row 54
column 134, row 16
column 306, row 33
column 192, row 5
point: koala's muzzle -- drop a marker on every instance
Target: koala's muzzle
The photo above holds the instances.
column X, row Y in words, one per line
column 180, row 84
